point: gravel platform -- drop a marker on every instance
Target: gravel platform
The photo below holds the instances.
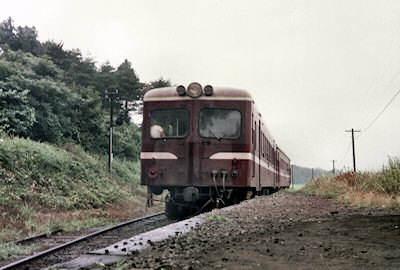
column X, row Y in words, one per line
column 282, row 231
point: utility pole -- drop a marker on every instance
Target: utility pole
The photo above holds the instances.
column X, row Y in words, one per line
column 312, row 173
column 354, row 149
column 111, row 94
column 333, row 170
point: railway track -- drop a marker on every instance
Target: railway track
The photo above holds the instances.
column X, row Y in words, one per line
column 72, row 248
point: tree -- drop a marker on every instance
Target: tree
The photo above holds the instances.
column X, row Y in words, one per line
column 147, row 87
column 126, row 142
column 78, row 70
column 82, row 71
column 21, row 38
column 8, row 34
column 27, row 40
column 62, row 113
column 158, row 84
column 16, row 116
column 89, row 121
column 57, row 54
column 128, row 85
column 105, row 81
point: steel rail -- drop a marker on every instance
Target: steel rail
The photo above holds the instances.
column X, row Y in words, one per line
column 80, row 239
column 34, row 237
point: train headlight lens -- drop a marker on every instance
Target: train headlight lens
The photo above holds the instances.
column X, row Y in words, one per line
column 181, row 90
column 208, row 90
column 194, row 90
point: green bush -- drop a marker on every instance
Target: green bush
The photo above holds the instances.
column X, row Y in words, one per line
column 126, row 141
column 126, row 170
column 68, row 178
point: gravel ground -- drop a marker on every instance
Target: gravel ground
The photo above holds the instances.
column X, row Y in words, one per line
column 283, row 231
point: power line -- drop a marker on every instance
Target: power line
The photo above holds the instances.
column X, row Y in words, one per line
column 345, row 154
column 383, row 110
column 372, row 122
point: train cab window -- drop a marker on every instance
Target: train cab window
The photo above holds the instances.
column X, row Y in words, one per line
column 220, row 123
column 169, row 123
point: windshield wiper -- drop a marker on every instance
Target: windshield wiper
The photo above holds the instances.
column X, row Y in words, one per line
column 212, row 133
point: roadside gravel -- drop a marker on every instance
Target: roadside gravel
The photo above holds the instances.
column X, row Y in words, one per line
column 283, row 231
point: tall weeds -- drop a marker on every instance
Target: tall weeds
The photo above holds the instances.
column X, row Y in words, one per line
column 379, row 189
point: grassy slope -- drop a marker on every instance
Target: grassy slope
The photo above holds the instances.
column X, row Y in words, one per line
column 43, row 187
column 368, row 189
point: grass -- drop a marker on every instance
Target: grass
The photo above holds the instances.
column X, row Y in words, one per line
column 43, row 187
column 367, row 189
column 10, row 251
column 295, row 187
column 38, row 173
column 215, row 217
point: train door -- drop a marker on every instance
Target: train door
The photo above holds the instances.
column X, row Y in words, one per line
column 253, row 148
column 277, row 168
column 259, row 153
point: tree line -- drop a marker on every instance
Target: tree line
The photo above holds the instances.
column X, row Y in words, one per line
column 301, row 175
column 55, row 95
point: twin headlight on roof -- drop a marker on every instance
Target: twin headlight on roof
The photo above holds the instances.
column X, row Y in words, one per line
column 194, row 90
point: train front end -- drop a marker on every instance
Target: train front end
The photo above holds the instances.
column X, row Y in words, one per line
column 195, row 145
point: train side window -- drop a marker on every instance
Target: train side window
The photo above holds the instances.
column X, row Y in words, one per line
column 169, row 123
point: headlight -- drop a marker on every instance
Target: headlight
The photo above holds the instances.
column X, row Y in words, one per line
column 208, row 90
column 194, row 90
column 181, row 90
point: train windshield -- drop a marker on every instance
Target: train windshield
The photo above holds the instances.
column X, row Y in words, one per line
column 220, row 123
column 169, row 123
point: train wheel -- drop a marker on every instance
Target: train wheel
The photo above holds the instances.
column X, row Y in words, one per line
column 176, row 210
column 171, row 209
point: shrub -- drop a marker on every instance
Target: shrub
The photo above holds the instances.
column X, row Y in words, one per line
column 42, row 174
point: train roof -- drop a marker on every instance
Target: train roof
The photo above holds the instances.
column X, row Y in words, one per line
column 219, row 93
column 283, row 154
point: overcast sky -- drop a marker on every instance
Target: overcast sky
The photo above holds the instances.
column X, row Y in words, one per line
column 315, row 68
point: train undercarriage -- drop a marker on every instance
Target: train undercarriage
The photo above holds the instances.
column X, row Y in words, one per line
column 183, row 202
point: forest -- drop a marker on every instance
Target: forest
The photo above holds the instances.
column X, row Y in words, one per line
column 57, row 95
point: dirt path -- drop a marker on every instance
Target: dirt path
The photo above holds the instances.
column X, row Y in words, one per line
column 284, row 231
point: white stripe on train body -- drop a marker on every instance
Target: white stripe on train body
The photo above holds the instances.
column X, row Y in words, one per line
column 232, row 155
column 157, row 155
column 216, row 156
column 245, row 156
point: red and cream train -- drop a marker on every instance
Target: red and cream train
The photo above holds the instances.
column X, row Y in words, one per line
column 207, row 146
